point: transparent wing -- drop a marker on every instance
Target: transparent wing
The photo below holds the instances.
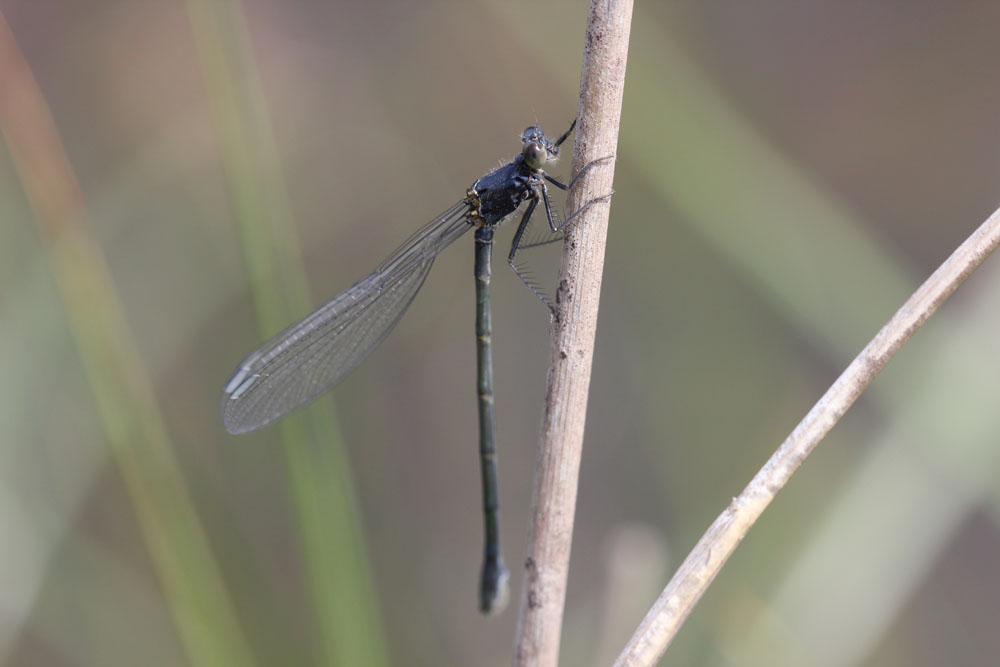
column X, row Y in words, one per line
column 314, row 354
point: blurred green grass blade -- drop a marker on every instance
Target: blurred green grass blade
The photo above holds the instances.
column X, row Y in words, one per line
column 331, row 540
column 755, row 206
column 175, row 539
column 332, row 543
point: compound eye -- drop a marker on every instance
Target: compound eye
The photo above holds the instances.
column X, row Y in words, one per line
column 534, row 155
column 531, row 133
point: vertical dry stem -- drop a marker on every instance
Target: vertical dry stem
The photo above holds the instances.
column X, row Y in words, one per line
column 554, row 500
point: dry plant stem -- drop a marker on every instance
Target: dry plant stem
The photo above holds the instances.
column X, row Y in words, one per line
column 554, row 499
column 698, row 570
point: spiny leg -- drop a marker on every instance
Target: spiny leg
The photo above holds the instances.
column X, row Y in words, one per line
column 572, row 181
column 516, row 243
column 583, row 208
column 521, row 226
column 548, row 208
column 565, row 135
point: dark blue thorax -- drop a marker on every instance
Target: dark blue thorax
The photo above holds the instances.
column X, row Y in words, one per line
column 500, row 192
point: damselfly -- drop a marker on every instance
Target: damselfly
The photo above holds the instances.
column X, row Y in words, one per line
column 317, row 352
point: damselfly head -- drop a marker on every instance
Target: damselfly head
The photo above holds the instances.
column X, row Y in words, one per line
column 533, row 133
column 537, row 148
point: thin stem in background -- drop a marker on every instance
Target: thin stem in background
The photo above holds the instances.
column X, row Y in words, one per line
column 196, row 595
column 602, row 83
column 337, row 576
column 677, row 600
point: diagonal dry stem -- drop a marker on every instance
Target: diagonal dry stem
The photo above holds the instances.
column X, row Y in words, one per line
column 675, row 603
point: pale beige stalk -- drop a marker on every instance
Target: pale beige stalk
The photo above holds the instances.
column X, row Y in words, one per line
column 675, row 603
column 554, row 499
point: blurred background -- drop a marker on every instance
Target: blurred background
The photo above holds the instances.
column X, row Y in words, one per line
column 179, row 181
